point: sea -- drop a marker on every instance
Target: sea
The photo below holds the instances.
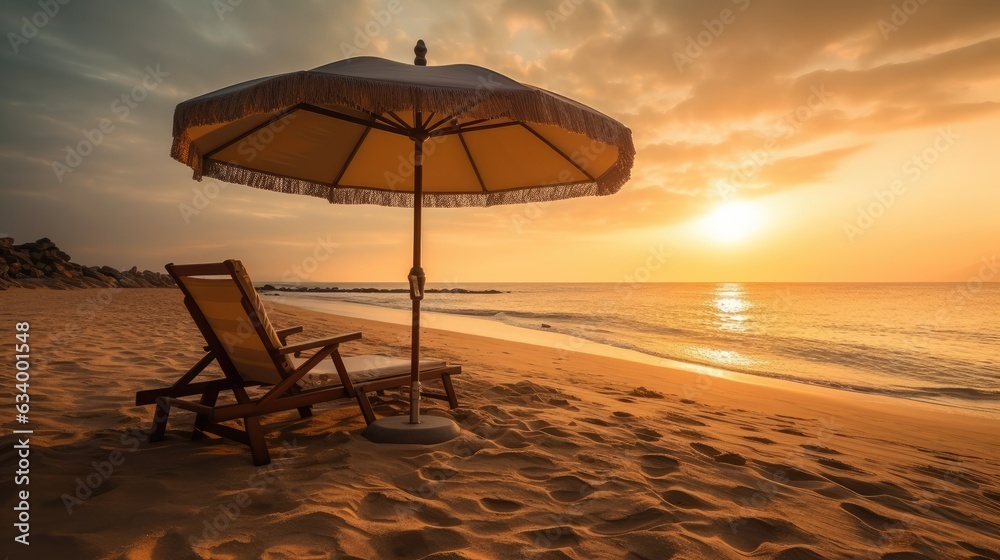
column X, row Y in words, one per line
column 931, row 342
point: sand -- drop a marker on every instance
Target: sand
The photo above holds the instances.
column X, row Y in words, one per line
column 564, row 455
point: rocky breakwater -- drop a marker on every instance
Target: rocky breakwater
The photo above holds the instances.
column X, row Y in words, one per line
column 42, row 265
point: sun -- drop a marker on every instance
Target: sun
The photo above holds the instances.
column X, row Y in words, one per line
column 732, row 221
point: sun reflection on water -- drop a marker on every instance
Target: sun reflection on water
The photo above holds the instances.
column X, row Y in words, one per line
column 730, row 307
column 723, row 357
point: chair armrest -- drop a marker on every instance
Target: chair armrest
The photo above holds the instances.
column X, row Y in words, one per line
column 283, row 334
column 318, row 343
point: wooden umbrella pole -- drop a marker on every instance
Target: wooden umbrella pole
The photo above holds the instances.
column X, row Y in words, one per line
column 417, row 279
column 416, row 276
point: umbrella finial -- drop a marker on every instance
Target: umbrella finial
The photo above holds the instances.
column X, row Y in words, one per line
column 421, row 51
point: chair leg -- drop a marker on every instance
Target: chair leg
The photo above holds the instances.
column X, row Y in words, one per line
column 449, row 390
column 160, row 416
column 258, row 447
column 208, row 398
column 305, row 411
column 366, row 406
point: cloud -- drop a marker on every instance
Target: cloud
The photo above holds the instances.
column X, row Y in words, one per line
column 750, row 85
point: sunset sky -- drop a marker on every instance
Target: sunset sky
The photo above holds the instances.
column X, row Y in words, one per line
column 777, row 140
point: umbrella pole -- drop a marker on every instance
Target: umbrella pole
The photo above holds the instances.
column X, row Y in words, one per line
column 433, row 429
column 417, row 280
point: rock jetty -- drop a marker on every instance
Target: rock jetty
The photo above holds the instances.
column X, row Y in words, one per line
column 42, row 265
column 334, row 289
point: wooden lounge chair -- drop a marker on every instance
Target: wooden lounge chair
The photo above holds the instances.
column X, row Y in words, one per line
column 225, row 306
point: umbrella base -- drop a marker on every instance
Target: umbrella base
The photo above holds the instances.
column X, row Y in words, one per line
column 397, row 429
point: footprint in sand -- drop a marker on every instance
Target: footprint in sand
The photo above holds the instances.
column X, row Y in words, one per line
column 568, row 488
column 835, row 464
column 511, row 440
column 690, row 433
column 906, row 555
column 799, row 553
column 552, row 537
column 419, row 543
column 658, row 465
column 950, row 476
column 746, row 534
column 499, row 505
column 537, row 473
column 869, row 517
column 380, row 507
column 792, row 431
column 982, row 552
column 557, row 432
column 787, row 474
column 820, row 449
column 686, row 500
column 646, row 434
column 593, row 436
column 718, row 456
column 437, row 472
column 562, row 403
column 597, row 464
column 638, row 521
column 869, row 489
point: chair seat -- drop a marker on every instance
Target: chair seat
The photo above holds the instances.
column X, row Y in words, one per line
column 361, row 369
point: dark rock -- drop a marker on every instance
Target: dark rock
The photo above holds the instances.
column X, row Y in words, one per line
column 545, row 326
column 108, row 271
column 41, row 264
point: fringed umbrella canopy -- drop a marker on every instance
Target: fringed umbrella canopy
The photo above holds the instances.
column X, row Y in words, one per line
column 345, row 132
column 372, row 131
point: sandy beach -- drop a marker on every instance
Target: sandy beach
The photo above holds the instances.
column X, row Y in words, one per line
column 563, row 455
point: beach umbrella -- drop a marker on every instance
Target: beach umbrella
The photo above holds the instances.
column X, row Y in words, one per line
column 367, row 130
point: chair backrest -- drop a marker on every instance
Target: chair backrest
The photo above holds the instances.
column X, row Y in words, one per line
column 224, row 304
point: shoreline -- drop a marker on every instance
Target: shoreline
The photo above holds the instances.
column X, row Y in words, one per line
column 562, row 455
column 479, row 326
